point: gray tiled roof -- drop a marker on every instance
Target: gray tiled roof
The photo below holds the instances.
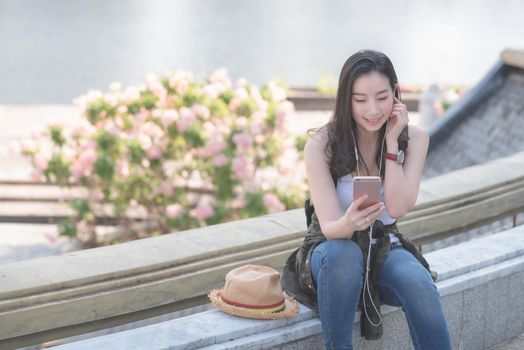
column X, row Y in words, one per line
column 493, row 127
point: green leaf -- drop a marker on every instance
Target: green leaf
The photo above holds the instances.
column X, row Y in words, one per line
column 219, row 108
column 220, row 214
column 56, row 135
column 58, row 169
column 191, row 96
column 255, row 204
column 81, row 206
column 66, row 228
column 136, row 153
column 247, row 108
column 105, row 140
column 133, row 108
column 195, row 135
column 224, row 182
column 104, row 166
column 149, row 99
column 300, row 142
column 95, row 109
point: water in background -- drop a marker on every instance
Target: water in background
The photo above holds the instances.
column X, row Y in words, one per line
column 55, row 50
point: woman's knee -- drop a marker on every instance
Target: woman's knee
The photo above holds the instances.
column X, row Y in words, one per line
column 415, row 288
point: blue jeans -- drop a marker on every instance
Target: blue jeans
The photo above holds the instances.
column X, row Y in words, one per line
column 337, row 267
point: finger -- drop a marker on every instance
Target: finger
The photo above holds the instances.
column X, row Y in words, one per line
column 400, row 109
column 369, row 219
column 395, row 114
column 361, row 199
column 374, row 215
column 371, row 209
column 356, row 204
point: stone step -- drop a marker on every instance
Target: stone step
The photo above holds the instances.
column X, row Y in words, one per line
column 34, row 192
column 51, row 212
column 471, row 276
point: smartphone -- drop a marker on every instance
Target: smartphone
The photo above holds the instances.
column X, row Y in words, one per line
column 369, row 185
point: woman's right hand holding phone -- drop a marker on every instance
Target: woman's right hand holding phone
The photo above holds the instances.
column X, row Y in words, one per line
column 356, row 220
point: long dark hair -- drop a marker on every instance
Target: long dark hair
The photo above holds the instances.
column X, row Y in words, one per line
column 340, row 148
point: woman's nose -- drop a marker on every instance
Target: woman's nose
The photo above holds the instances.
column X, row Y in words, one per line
column 373, row 107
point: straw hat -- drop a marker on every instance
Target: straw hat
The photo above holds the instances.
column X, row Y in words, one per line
column 254, row 291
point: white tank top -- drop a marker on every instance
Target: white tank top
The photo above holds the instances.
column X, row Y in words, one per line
column 345, row 198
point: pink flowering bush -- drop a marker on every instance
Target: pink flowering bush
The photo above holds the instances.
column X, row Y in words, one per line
column 174, row 152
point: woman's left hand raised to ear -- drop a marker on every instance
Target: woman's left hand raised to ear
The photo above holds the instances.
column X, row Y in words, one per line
column 397, row 121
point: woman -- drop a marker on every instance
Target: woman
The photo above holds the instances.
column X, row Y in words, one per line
column 367, row 135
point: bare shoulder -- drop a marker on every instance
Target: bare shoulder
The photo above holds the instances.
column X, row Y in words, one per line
column 418, row 136
column 316, row 143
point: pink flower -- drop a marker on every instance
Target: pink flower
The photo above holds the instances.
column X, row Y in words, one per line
column 219, row 75
column 82, row 229
column 234, row 103
column 173, row 80
column 122, row 168
column 166, row 188
column 202, row 111
column 241, row 94
column 174, row 210
column 202, row 211
column 169, row 117
column 84, row 130
column 96, row 195
column 213, row 147
column 220, row 160
column 82, row 166
column 212, row 91
column 153, row 130
column 41, row 162
column 180, row 81
column 241, row 122
column 187, row 117
column 272, row 203
column 28, row 146
column 182, row 87
column 111, row 99
column 115, row 86
column 154, row 152
column 243, row 140
column 132, row 93
column 282, row 113
column 243, row 169
column 239, row 201
column 145, row 142
column 122, row 109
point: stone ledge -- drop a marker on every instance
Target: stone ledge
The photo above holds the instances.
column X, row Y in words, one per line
column 464, row 267
column 45, row 294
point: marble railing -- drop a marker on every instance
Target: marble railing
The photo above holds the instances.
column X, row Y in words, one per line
column 55, row 297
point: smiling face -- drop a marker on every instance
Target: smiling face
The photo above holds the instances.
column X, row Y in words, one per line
column 371, row 101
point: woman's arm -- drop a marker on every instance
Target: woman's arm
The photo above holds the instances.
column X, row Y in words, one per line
column 333, row 223
column 402, row 182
